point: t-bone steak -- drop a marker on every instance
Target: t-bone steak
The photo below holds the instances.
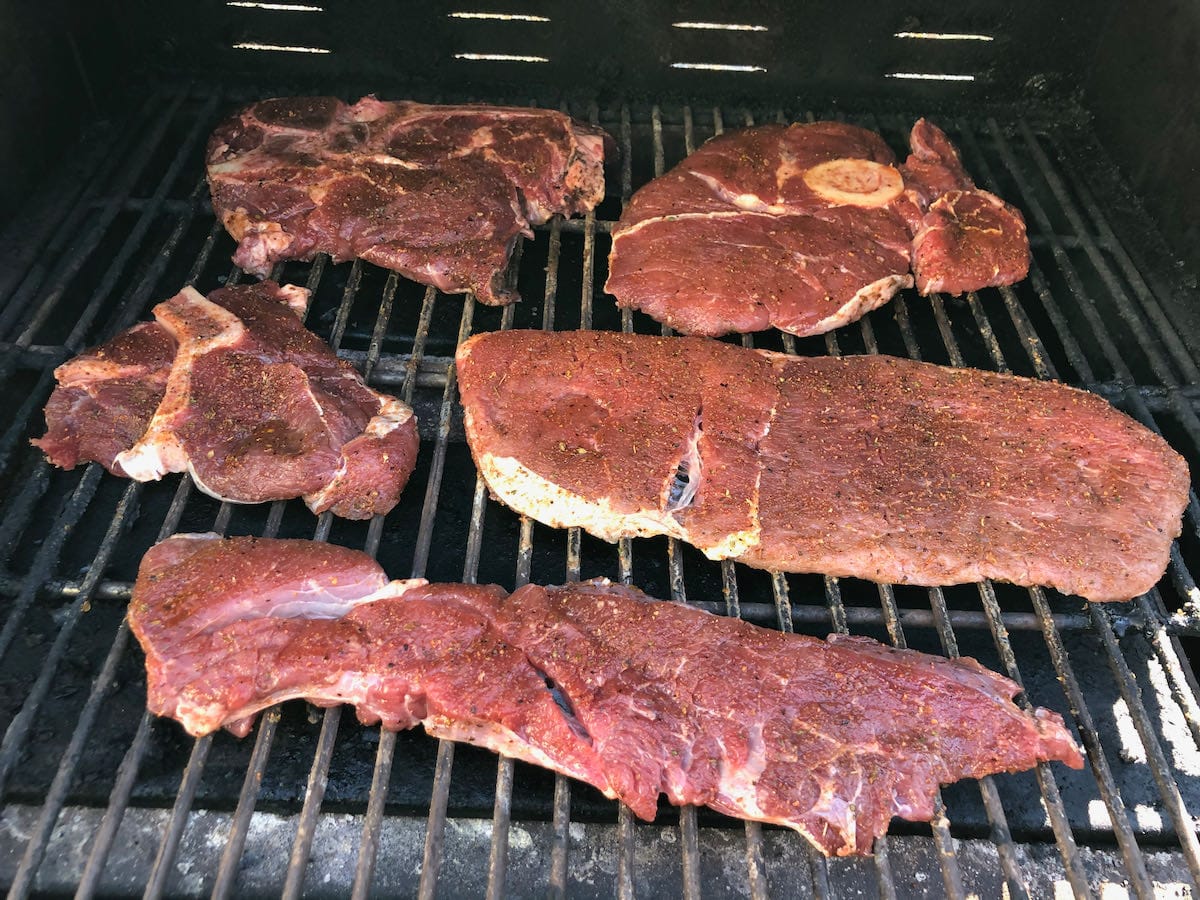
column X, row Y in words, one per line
column 596, row 681
column 806, row 228
column 865, row 466
column 235, row 390
column 437, row 193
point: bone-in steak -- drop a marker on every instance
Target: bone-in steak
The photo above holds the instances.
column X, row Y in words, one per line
column 636, row 697
column 234, row 390
column 864, row 466
column 438, row 193
column 808, row 227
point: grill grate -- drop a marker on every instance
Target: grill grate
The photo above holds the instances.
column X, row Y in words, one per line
column 101, row 798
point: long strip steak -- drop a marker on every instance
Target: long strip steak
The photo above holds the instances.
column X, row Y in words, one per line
column 596, row 681
column 235, row 390
column 864, row 466
column 437, row 193
column 806, row 228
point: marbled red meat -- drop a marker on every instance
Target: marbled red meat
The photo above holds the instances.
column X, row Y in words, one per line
column 596, row 681
column 806, row 228
column 437, row 193
column 106, row 397
column 233, row 389
column 865, row 466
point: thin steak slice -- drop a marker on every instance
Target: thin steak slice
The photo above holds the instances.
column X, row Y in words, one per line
column 806, row 228
column 234, row 390
column 863, row 466
column 437, row 193
column 596, row 681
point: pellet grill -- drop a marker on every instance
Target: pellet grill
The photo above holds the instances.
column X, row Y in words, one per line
column 1083, row 115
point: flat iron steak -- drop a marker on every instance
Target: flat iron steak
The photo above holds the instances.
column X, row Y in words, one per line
column 864, row 466
column 593, row 680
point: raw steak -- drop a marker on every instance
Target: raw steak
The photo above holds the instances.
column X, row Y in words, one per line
column 234, row 390
column 806, row 228
column 593, row 680
column 438, row 193
column 864, row 466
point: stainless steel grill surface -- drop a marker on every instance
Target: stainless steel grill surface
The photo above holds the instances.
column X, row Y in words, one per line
column 100, row 798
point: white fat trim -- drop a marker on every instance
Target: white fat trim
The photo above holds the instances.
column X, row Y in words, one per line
column 873, row 296
column 671, row 217
column 504, row 741
column 531, row 494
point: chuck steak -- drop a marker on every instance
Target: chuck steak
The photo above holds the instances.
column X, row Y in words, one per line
column 806, row 228
column 437, row 193
column 234, row 390
column 596, row 681
column 865, row 466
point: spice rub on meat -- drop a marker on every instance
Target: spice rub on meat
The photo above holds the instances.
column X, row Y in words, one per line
column 437, row 193
column 865, row 466
column 593, row 680
column 808, row 227
column 235, row 390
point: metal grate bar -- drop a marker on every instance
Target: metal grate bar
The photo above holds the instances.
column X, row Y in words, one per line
column 127, row 772
column 1159, row 767
column 70, row 200
column 165, row 858
column 43, row 564
column 435, row 828
column 227, row 870
column 314, row 795
column 951, row 874
column 19, row 728
column 65, row 268
column 502, row 805
column 1149, row 345
column 1165, row 782
column 1109, row 240
column 120, row 259
column 1130, row 851
column 1059, row 822
column 756, row 874
column 987, row 786
column 1181, row 680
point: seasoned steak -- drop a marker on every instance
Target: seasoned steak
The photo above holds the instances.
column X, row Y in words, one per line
column 234, row 390
column 806, row 228
column 437, row 193
column 593, row 680
column 863, row 466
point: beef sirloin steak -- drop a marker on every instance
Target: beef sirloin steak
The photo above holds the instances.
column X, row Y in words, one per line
column 864, row 466
column 437, row 193
column 596, row 681
column 808, row 227
column 235, row 390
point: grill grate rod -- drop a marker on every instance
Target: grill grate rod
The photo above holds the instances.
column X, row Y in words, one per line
column 56, row 795
column 1108, row 240
column 1051, row 797
column 1157, row 761
column 65, row 266
column 127, row 771
column 1167, row 333
column 1108, row 789
column 940, row 825
column 235, row 843
column 502, row 806
column 431, row 860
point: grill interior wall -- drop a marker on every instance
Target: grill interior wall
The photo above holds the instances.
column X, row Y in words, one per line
column 98, row 794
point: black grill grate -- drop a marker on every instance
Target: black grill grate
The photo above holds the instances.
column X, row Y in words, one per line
column 101, row 798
